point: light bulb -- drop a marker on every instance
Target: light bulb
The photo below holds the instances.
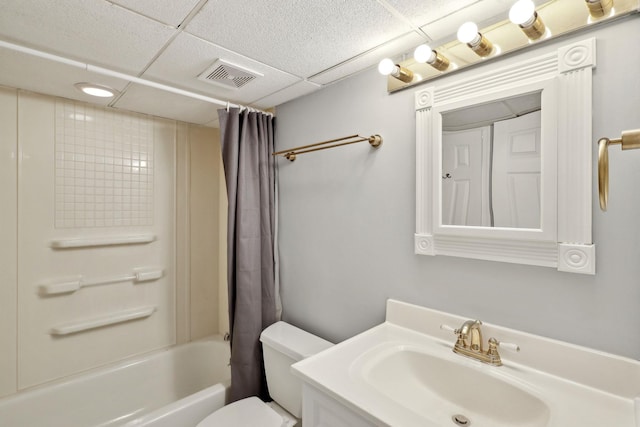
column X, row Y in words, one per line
column 424, row 53
column 96, row 90
column 468, row 33
column 386, row 67
column 522, row 12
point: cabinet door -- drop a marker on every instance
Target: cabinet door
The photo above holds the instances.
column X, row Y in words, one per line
column 320, row 410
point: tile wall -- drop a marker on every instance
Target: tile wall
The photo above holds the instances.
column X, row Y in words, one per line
column 76, row 171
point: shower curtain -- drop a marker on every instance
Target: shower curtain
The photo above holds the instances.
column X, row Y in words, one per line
column 247, row 139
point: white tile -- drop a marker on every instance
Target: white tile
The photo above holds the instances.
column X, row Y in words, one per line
column 300, row 38
column 294, row 91
column 170, row 12
column 421, row 12
column 188, row 56
column 96, row 31
column 406, row 43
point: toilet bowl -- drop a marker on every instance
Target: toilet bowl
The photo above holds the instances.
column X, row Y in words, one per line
column 282, row 345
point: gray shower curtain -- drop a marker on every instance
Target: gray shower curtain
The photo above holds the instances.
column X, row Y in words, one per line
column 247, row 139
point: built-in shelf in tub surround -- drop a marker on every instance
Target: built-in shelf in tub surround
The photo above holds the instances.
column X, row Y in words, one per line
column 87, row 242
column 69, row 285
column 106, row 320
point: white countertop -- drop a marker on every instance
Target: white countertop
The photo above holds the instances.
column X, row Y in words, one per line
column 580, row 386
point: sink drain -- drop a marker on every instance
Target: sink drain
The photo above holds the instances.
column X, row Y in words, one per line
column 461, row 420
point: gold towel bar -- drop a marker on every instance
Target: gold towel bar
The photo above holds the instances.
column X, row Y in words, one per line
column 629, row 140
column 291, row 153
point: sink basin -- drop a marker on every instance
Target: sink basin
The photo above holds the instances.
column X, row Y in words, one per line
column 447, row 391
column 403, row 373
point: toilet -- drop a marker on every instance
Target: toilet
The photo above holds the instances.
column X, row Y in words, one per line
column 282, row 345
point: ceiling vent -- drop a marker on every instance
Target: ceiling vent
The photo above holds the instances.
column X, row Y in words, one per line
column 228, row 75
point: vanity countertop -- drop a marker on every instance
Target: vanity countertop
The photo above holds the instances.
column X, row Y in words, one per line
column 548, row 383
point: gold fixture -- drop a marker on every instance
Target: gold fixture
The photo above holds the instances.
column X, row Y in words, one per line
column 402, row 74
column 483, row 48
column 292, row 153
column 424, row 54
column 386, row 67
column 440, row 62
column 468, row 33
column 523, row 13
column 629, row 140
column 599, row 8
column 469, row 343
column 561, row 17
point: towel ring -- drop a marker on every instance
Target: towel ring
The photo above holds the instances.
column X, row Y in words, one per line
column 629, row 140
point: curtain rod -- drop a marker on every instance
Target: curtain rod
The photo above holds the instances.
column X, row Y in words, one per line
column 291, row 153
column 122, row 76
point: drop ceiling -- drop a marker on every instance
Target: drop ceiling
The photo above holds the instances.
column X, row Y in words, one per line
column 295, row 47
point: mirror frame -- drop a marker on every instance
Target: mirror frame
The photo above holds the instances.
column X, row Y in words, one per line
column 564, row 240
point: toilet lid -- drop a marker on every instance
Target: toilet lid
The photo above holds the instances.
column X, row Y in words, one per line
column 249, row 412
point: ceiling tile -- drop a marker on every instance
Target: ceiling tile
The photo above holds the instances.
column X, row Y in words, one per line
column 148, row 100
column 170, row 12
column 482, row 13
column 22, row 71
column 422, row 12
column 294, row 91
column 188, row 56
column 406, row 43
column 302, row 38
column 93, row 31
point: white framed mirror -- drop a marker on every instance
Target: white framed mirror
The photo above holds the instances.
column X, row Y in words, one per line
column 503, row 165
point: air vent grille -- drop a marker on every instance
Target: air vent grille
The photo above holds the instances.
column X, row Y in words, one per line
column 228, row 75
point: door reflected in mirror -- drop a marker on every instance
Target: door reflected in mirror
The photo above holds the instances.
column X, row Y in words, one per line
column 491, row 164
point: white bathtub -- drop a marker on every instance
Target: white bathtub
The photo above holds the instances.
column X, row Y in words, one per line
column 176, row 387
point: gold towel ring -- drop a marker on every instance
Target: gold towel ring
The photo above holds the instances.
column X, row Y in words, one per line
column 630, row 140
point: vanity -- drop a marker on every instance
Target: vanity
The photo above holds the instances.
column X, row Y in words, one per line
column 405, row 373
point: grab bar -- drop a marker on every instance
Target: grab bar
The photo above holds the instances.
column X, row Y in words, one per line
column 75, row 283
column 84, row 242
column 98, row 322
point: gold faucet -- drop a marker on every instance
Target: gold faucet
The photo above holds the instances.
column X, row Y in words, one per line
column 470, row 344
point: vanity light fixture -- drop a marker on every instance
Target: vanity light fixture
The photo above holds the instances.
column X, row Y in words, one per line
column 599, row 8
column 387, row 67
column 96, row 90
column 424, row 53
column 468, row 33
column 523, row 13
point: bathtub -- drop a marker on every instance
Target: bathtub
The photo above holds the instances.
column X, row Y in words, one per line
column 175, row 387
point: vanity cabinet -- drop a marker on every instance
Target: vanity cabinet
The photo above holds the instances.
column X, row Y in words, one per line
column 321, row 410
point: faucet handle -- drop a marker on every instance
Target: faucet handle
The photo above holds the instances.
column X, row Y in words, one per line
column 450, row 329
column 509, row 346
column 506, row 345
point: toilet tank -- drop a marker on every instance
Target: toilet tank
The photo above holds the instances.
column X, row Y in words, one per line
column 283, row 345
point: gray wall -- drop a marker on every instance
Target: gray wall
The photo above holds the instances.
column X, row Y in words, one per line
column 347, row 218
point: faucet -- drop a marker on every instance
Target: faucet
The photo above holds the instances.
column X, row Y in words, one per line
column 470, row 336
column 470, row 343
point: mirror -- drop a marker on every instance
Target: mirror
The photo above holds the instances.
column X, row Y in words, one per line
column 491, row 164
column 503, row 162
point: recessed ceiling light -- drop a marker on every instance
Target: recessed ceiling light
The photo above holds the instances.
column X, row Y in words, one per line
column 96, row 90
